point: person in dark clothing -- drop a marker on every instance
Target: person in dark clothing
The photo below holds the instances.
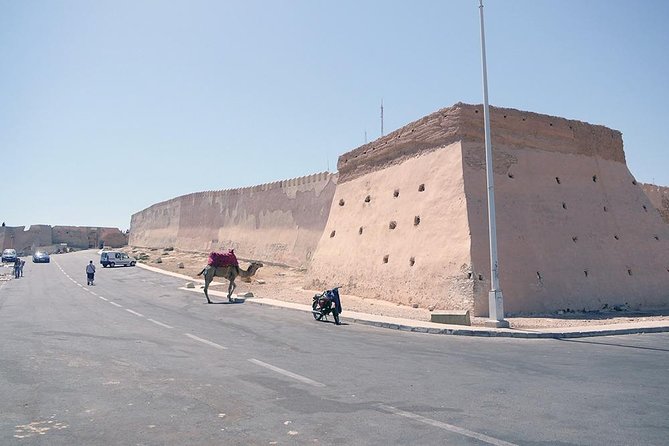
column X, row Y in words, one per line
column 90, row 273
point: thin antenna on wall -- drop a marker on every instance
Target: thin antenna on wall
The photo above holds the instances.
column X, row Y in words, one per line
column 381, row 116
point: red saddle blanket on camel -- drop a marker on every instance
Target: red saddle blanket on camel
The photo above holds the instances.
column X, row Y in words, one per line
column 227, row 258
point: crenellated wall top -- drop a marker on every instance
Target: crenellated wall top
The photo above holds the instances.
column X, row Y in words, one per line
column 306, row 180
column 510, row 128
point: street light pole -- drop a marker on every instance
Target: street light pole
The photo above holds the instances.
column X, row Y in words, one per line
column 495, row 298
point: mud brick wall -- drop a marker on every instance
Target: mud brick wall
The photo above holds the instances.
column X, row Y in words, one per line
column 278, row 222
column 574, row 228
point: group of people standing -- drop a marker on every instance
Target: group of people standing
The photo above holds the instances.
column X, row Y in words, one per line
column 90, row 270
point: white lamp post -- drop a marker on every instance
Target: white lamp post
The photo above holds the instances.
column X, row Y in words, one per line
column 495, row 298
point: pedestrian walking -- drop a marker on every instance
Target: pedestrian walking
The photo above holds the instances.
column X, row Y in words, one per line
column 23, row 262
column 90, row 273
column 17, row 268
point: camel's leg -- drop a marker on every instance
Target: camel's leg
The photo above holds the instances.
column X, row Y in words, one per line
column 208, row 277
column 231, row 288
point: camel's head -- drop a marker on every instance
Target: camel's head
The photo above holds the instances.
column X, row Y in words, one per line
column 255, row 265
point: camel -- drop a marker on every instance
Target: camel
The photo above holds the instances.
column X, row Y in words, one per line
column 229, row 272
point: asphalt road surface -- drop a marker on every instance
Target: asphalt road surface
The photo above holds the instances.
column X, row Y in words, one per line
column 134, row 360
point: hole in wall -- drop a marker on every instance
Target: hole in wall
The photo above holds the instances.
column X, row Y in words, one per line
column 510, row 175
column 634, row 182
column 645, row 208
column 574, row 239
column 550, row 124
column 360, row 230
column 476, row 111
column 523, row 119
column 392, row 225
column 385, row 258
column 557, row 180
column 564, row 205
column 504, row 116
column 368, row 199
column 480, row 276
column 656, row 237
column 539, row 275
column 469, row 274
column 605, row 209
column 421, row 188
column 629, row 272
column 341, row 202
column 396, row 193
column 412, row 261
column 416, row 220
column 332, row 234
column 616, row 237
column 594, row 178
column 585, row 272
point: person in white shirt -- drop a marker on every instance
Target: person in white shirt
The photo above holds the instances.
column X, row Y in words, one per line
column 90, row 273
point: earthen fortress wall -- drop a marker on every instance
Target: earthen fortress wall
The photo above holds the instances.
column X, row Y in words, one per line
column 279, row 222
column 406, row 219
column 26, row 239
column 575, row 230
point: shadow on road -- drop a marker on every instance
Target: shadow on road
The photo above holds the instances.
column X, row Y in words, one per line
column 613, row 344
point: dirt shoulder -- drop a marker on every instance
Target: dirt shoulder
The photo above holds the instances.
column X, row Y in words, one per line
column 288, row 284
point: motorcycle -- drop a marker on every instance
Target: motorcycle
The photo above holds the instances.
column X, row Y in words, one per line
column 327, row 303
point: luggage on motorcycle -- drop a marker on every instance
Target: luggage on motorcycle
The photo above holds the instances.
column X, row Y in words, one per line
column 327, row 303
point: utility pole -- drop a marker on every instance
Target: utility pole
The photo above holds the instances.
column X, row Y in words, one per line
column 495, row 298
column 381, row 117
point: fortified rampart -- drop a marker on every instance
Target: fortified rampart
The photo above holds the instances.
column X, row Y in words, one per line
column 659, row 196
column 26, row 240
column 407, row 221
column 278, row 222
column 574, row 228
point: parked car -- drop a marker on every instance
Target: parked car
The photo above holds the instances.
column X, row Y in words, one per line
column 9, row 255
column 116, row 258
column 41, row 257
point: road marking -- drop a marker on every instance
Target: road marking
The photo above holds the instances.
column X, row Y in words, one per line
column 104, row 298
column 301, row 378
column 134, row 312
column 445, row 426
column 115, row 304
column 159, row 323
column 204, row 341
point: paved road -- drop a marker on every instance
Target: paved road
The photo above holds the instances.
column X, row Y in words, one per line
column 136, row 361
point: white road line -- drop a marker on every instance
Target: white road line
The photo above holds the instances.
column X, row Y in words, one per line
column 445, row 426
column 79, row 285
column 159, row 323
column 134, row 312
column 103, row 298
column 115, row 304
column 204, row 341
column 301, row 378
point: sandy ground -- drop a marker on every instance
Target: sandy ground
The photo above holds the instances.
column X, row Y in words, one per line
column 291, row 285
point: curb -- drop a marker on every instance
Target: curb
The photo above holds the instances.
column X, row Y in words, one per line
column 432, row 328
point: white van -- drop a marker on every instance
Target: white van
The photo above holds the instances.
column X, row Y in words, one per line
column 115, row 258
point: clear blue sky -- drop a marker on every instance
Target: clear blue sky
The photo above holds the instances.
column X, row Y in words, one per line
column 107, row 107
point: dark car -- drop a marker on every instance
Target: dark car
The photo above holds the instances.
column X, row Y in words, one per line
column 9, row 255
column 41, row 257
